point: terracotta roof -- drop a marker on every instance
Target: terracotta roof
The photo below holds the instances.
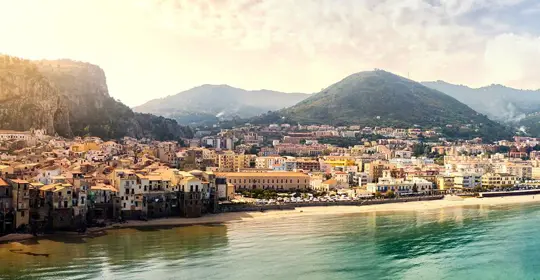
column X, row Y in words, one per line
column 18, row 181
column 3, row 183
column 14, row 132
column 103, row 187
column 262, row 174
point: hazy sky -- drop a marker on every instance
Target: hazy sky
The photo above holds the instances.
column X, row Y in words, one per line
column 151, row 49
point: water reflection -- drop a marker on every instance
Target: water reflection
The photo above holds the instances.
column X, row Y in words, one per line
column 452, row 243
column 133, row 250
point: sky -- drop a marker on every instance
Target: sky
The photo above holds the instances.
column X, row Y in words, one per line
column 150, row 49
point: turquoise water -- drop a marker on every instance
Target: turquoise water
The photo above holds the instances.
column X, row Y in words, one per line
column 454, row 243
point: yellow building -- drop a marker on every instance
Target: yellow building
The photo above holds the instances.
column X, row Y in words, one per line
column 340, row 162
column 62, row 195
column 445, row 182
column 84, row 147
column 536, row 173
column 231, row 162
column 6, row 170
column 498, row 180
column 266, row 180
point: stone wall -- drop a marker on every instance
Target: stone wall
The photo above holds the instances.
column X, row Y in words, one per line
column 292, row 206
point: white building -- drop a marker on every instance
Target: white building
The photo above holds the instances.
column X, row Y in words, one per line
column 46, row 175
column 400, row 186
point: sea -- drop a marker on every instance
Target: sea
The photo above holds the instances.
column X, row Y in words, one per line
column 480, row 242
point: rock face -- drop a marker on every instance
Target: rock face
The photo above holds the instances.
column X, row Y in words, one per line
column 71, row 98
column 28, row 99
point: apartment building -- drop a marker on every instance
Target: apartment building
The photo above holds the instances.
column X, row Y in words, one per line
column 498, row 180
column 400, row 186
column 267, row 180
column 231, row 162
column 467, row 180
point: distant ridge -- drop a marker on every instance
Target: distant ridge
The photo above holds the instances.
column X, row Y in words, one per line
column 498, row 102
column 380, row 98
column 209, row 103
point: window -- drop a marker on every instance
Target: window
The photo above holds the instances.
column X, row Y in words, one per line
column 22, row 213
column 196, row 188
column 124, row 205
column 191, row 188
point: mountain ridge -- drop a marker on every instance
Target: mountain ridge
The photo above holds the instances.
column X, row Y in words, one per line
column 213, row 102
column 71, row 98
column 498, row 102
column 380, row 98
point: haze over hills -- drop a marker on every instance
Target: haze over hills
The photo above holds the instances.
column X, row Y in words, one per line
column 498, row 102
column 380, row 98
column 71, row 98
column 209, row 103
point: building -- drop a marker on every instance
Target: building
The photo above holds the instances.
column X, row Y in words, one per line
column 231, row 162
column 445, row 183
column 361, row 179
column 308, row 165
column 286, row 181
column 21, row 202
column 498, row 180
column 375, row 170
column 269, row 162
column 7, row 217
column 522, row 171
column 401, row 186
column 15, row 135
column 467, row 181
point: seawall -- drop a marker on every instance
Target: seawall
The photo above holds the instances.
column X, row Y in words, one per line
column 291, row 206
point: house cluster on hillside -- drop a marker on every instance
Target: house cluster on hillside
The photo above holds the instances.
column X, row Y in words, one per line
column 50, row 182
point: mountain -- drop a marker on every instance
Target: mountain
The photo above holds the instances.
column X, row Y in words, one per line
column 379, row 98
column 208, row 103
column 71, row 98
column 498, row 102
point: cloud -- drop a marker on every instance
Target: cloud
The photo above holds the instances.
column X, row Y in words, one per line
column 531, row 10
column 166, row 46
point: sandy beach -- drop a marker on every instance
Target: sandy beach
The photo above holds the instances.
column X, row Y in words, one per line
column 448, row 201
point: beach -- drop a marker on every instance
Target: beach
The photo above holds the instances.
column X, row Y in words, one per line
column 448, row 201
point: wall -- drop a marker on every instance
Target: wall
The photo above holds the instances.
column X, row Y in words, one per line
column 292, row 206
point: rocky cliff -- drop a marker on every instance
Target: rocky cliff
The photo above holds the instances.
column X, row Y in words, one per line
column 28, row 99
column 71, row 98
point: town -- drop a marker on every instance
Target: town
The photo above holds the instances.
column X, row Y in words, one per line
column 53, row 183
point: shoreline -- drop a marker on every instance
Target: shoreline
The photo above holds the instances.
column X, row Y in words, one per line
column 223, row 218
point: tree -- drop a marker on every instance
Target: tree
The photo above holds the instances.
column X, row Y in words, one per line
column 390, row 194
column 478, row 189
column 414, row 188
column 503, row 149
column 378, row 194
